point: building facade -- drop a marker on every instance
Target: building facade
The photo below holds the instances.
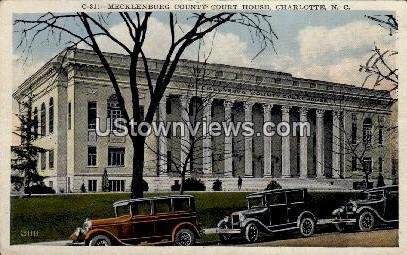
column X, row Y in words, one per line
column 348, row 127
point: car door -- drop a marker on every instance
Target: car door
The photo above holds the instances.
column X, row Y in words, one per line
column 164, row 219
column 392, row 204
column 277, row 206
column 295, row 204
column 143, row 220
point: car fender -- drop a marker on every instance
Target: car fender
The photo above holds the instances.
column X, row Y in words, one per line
column 188, row 225
column 89, row 235
column 222, row 221
column 305, row 213
column 246, row 221
column 376, row 213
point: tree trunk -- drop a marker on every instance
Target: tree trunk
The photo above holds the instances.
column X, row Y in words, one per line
column 181, row 189
column 138, row 167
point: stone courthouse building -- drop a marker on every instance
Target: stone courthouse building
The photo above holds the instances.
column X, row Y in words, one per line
column 68, row 100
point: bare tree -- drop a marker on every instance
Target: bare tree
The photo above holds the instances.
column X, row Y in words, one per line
column 380, row 68
column 201, row 99
column 92, row 26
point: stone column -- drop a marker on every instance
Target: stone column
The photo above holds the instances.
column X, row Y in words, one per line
column 207, row 139
column 185, row 140
column 267, row 142
column 228, row 172
column 336, row 167
column 320, row 164
column 285, row 145
column 162, row 139
column 303, row 146
column 248, row 142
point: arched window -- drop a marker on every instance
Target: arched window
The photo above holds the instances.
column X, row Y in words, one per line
column 35, row 124
column 43, row 119
column 113, row 111
column 51, row 116
column 367, row 131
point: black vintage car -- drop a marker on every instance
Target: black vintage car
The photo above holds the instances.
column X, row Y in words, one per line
column 269, row 212
column 376, row 206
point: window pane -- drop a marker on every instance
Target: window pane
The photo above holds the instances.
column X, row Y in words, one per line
column 181, row 204
column 276, row 198
column 141, row 208
column 295, row 196
column 92, row 114
column 162, row 205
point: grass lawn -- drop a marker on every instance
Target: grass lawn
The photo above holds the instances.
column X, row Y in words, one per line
column 55, row 217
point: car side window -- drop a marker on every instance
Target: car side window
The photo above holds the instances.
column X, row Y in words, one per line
column 275, row 198
column 122, row 210
column 181, row 204
column 141, row 208
column 295, row 196
column 162, row 205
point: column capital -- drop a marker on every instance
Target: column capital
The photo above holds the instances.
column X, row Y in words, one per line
column 267, row 107
column 285, row 108
column 185, row 98
column 336, row 113
column 248, row 105
column 303, row 111
column 228, row 103
column 320, row 113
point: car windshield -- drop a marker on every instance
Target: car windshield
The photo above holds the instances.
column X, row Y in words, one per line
column 255, row 202
column 122, row 210
column 372, row 195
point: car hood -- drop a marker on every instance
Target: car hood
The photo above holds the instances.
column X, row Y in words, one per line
column 252, row 211
column 113, row 220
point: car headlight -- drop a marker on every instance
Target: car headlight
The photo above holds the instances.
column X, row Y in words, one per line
column 341, row 209
column 87, row 224
column 226, row 219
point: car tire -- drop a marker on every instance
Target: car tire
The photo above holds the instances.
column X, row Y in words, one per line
column 184, row 237
column 251, row 233
column 307, row 226
column 100, row 240
column 366, row 221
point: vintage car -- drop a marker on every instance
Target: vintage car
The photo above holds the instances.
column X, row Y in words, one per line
column 269, row 212
column 166, row 219
column 377, row 206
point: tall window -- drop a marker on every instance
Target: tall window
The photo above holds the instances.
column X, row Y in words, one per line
column 380, row 163
column 367, row 162
column 116, row 185
column 92, row 156
column 43, row 119
column 169, row 161
column 116, row 156
column 354, row 163
column 51, row 159
column 354, row 133
column 113, row 111
column 69, row 115
column 35, row 118
column 43, row 160
column 51, row 116
column 367, row 131
column 92, row 185
column 92, row 114
column 380, row 138
column 168, row 106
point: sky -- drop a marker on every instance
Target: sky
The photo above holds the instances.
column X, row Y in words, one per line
column 317, row 45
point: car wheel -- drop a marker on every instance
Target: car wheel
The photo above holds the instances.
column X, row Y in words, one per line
column 251, row 233
column 184, row 237
column 307, row 226
column 100, row 240
column 366, row 221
